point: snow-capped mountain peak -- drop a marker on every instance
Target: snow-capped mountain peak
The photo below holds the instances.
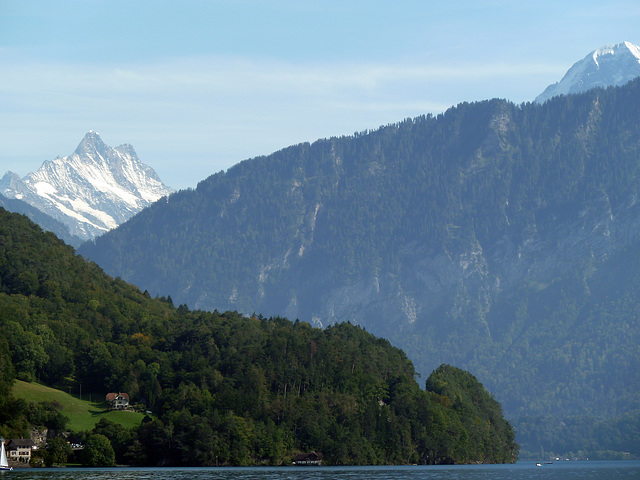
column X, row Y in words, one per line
column 610, row 65
column 91, row 143
column 93, row 190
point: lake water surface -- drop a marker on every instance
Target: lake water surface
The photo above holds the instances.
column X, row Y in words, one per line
column 619, row 470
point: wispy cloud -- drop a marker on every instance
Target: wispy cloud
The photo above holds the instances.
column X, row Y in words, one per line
column 227, row 109
column 218, row 76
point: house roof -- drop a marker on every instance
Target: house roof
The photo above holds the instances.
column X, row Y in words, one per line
column 20, row 443
column 313, row 456
column 112, row 396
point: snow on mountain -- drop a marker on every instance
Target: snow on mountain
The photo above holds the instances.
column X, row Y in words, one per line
column 611, row 65
column 93, row 190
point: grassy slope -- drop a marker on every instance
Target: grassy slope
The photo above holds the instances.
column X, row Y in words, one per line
column 83, row 414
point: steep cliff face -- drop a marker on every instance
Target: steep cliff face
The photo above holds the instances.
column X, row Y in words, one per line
column 494, row 237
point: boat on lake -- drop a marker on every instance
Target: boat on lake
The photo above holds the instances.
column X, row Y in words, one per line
column 4, row 464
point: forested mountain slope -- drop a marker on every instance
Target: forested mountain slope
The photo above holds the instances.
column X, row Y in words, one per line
column 226, row 389
column 503, row 238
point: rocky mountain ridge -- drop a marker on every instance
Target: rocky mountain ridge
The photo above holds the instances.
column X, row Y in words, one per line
column 92, row 190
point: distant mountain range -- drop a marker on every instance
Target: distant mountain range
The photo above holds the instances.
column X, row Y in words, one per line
column 500, row 238
column 98, row 187
column 90, row 191
column 611, row 65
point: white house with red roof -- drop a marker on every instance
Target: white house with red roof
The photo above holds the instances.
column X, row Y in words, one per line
column 118, row 401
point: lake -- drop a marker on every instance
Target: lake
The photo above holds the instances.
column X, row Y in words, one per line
column 614, row 470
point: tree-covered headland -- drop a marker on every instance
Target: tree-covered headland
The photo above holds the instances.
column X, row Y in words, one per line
column 223, row 388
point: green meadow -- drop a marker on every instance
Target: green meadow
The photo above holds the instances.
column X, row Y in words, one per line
column 83, row 414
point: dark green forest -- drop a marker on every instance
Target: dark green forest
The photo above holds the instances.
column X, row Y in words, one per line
column 500, row 238
column 223, row 389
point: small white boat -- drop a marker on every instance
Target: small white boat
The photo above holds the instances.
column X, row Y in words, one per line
column 4, row 464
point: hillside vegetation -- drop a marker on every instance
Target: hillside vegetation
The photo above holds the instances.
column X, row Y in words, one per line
column 227, row 389
column 500, row 238
column 83, row 415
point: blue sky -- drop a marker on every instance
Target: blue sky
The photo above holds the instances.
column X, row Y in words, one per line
column 197, row 86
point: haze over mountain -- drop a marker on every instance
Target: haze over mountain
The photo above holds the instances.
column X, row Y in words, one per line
column 610, row 65
column 90, row 191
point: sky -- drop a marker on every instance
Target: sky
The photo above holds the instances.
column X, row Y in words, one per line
column 197, row 86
